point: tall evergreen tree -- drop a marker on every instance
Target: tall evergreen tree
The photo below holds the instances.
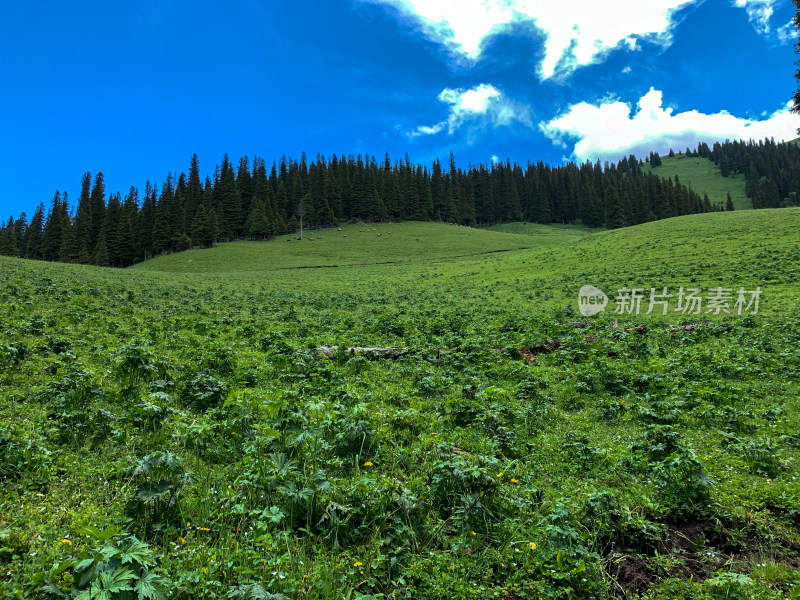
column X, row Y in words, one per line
column 97, row 203
column 34, row 235
column 57, row 222
column 614, row 216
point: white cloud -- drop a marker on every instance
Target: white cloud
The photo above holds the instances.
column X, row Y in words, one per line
column 483, row 102
column 786, row 34
column 609, row 132
column 759, row 12
column 578, row 32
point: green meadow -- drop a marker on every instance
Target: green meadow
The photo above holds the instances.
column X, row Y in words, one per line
column 704, row 176
column 173, row 430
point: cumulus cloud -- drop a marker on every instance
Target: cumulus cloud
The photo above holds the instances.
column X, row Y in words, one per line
column 608, row 131
column 786, row 34
column 484, row 103
column 759, row 12
column 577, row 32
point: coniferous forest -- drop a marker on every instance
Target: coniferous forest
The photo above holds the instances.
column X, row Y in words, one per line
column 252, row 201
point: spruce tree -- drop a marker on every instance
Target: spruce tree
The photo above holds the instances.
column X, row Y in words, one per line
column 614, row 216
column 100, row 254
column 97, row 205
column 34, row 235
column 203, row 228
column 729, row 202
column 57, row 222
column 8, row 243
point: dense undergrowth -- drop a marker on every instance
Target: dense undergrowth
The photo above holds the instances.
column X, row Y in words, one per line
column 181, row 437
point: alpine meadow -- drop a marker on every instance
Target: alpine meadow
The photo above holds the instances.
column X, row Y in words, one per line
column 353, row 378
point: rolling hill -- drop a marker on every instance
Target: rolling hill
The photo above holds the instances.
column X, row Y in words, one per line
column 704, row 177
column 177, row 426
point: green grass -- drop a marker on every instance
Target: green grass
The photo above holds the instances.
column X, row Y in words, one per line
column 404, row 244
column 544, row 267
column 463, row 469
column 704, row 177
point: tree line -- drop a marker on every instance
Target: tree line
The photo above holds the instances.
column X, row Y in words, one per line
column 253, row 202
column 772, row 171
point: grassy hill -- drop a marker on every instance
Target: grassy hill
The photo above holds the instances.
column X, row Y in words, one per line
column 704, row 177
column 541, row 265
column 514, row 449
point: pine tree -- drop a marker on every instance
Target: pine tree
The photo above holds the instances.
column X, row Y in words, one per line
column 78, row 250
column 97, row 203
column 126, row 230
column 614, row 216
column 258, row 225
column 229, row 201
column 146, row 223
column 162, row 225
column 57, row 222
column 592, row 209
column 194, row 192
column 100, row 254
column 111, row 229
column 203, row 228
column 34, row 235
column 729, row 202
column 8, row 243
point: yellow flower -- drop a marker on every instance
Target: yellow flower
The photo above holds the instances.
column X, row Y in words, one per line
column 358, row 563
column 433, row 433
column 514, row 480
column 204, row 529
column 181, row 540
column 500, row 474
column 67, row 542
column 532, row 545
column 368, row 463
column 473, row 533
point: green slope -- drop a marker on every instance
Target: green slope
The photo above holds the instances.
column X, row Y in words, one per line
column 424, row 475
column 545, row 269
column 351, row 245
column 704, row 177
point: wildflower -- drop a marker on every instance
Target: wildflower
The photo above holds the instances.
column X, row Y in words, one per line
column 311, row 467
column 368, row 464
column 473, row 533
column 181, row 540
column 433, row 433
column 204, row 529
column 532, row 545
column 67, row 542
column 514, row 480
column 358, row 563
column 500, row 474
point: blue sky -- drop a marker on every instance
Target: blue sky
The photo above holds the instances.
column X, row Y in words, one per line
column 133, row 89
